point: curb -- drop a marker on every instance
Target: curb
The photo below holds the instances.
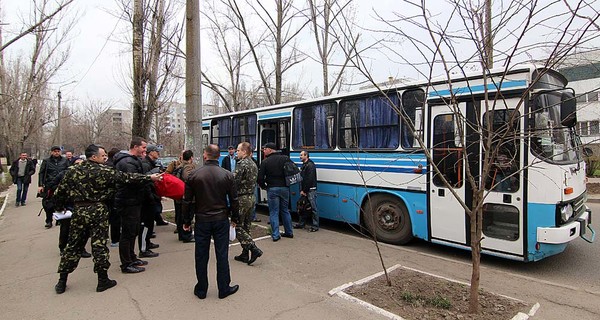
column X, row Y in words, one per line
column 5, row 202
column 339, row 291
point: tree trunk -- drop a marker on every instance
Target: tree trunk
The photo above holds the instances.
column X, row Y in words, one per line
column 475, row 219
column 139, row 126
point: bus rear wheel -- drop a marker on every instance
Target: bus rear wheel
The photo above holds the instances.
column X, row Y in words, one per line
column 387, row 218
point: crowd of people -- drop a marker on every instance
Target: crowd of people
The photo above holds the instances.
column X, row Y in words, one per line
column 117, row 189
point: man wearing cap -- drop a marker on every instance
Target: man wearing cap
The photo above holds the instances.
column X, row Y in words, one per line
column 272, row 178
column 230, row 160
column 50, row 168
column 151, row 206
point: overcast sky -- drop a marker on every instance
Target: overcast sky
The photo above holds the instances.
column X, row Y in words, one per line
column 99, row 63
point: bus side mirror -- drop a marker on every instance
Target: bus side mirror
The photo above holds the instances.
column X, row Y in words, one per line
column 568, row 108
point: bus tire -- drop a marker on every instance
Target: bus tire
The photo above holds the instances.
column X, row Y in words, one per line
column 386, row 217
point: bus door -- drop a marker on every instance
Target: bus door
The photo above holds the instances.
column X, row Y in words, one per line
column 447, row 217
column 276, row 131
column 504, row 201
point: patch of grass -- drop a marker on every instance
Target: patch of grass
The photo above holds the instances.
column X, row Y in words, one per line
column 415, row 299
column 440, row 302
column 169, row 215
column 2, row 201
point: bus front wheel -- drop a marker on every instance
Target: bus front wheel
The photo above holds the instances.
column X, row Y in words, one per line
column 387, row 218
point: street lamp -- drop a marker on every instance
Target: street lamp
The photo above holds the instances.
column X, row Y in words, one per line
column 58, row 127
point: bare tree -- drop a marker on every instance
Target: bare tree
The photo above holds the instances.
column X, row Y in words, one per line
column 324, row 19
column 24, row 108
column 451, row 41
column 157, row 72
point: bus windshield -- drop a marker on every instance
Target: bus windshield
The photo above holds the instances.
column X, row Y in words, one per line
column 551, row 141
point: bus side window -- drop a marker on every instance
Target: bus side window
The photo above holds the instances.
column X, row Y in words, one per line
column 503, row 173
column 413, row 103
column 446, row 156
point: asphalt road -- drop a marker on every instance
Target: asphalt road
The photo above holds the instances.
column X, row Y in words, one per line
column 575, row 267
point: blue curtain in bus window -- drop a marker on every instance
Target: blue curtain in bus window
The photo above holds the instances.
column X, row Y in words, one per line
column 224, row 133
column 297, row 139
column 244, row 130
column 379, row 124
column 321, row 138
column 251, row 121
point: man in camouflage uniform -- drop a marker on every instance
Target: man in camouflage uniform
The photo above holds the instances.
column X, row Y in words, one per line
column 89, row 185
column 245, row 174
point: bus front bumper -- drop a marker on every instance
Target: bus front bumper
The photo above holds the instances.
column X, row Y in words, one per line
column 580, row 227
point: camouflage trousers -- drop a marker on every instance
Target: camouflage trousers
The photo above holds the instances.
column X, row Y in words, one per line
column 242, row 229
column 87, row 220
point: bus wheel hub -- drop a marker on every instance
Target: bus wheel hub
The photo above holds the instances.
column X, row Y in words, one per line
column 388, row 217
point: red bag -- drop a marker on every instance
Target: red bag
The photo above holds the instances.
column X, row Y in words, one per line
column 170, row 186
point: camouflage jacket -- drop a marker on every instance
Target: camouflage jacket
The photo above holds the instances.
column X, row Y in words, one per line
column 93, row 182
column 245, row 174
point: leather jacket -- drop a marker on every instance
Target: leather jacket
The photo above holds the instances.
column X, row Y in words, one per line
column 207, row 191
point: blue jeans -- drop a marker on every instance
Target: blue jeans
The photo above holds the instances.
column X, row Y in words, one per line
column 22, row 190
column 219, row 231
column 279, row 199
column 312, row 198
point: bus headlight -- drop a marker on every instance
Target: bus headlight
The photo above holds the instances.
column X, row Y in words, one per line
column 566, row 212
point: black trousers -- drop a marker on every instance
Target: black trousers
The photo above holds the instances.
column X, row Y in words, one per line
column 181, row 234
column 148, row 215
column 114, row 219
column 130, row 228
column 219, row 232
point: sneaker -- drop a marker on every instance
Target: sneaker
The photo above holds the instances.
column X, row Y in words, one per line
column 148, row 254
column 162, row 223
column 153, row 245
column 17, row 204
column 313, row 229
column 298, row 226
column 256, row 220
column 48, row 225
column 114, row 244
column 286, row 235
column 23, row 204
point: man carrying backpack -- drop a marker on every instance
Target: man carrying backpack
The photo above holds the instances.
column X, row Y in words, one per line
column 271, row 177
column 308, row 189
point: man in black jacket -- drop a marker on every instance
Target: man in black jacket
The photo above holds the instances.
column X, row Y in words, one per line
column 21, row 171
column 272, row 178
column 128, row 203
column 152, row 206
column 308, row 189
column 50, row 168
column 207, row 191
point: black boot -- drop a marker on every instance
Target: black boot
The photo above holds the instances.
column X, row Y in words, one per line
column 255, row 252
column 104, row 282
column 243, row 257
column 61, row 286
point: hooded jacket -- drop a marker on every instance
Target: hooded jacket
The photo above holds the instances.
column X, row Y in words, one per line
column 128, row 194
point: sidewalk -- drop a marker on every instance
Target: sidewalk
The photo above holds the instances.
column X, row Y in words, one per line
column 290, row 281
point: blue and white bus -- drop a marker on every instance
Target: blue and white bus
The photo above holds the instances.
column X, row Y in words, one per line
column 372, row 170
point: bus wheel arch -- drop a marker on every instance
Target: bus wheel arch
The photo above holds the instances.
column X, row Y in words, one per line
column 386, row 216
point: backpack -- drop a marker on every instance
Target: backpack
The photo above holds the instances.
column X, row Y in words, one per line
column 291, row 173
column 178, row 172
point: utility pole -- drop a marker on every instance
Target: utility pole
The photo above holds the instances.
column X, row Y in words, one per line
column 193, row 90
column 58, row 127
